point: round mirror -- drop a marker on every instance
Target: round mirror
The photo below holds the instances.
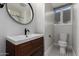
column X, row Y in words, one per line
column 20, row 12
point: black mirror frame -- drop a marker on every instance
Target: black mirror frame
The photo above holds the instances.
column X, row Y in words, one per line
column 17, row 21
column 2, row 5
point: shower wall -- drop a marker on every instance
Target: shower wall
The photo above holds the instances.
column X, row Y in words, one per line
column 63, row 29
column 54, row 30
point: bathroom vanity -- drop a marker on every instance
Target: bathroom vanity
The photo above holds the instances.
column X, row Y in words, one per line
column 30, row 46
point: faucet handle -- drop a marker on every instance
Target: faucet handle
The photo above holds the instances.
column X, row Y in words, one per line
column 26, row 30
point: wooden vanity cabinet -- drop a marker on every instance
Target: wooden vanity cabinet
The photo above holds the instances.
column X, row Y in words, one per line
column 31, row 48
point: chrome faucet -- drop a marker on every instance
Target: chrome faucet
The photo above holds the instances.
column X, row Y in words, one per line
column 26, row 30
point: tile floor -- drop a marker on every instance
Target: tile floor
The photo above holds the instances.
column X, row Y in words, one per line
column 54, row 51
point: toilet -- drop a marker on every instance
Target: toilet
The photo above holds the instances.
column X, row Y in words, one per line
column 63, row 43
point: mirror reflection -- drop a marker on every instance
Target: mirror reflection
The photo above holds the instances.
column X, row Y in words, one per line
column 20, row 12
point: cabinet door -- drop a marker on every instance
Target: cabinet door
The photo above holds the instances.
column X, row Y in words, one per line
column 34, row 47
column 37, row 47
column 24, row 49
column 10, row 48
column 37, row 42
column 38, row 52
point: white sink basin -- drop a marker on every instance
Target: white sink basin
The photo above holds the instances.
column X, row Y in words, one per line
column 19, row 39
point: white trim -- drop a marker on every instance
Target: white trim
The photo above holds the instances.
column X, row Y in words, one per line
column 49, row 13
column 64, row 24
column 66, row 8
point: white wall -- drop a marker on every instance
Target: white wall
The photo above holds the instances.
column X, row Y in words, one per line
column 57, row 4
column 48, row 27
column 44, row 23
column 76, row 29
column 39, row 16
column 10, row 27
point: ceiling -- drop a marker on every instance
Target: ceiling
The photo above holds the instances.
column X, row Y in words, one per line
column 57, row 4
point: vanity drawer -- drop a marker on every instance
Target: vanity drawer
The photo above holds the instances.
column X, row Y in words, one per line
column 10, row 48
column 34, row 47
column 23, row 49
column 36, row 43
column 38, row 52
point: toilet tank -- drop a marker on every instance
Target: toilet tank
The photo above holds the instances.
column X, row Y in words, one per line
column 63, row 36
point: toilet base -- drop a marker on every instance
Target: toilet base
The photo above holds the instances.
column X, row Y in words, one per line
column 62, row 51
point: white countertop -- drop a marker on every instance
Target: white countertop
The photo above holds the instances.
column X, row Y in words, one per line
column 19, row 39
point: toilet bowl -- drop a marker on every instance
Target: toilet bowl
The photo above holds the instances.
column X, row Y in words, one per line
column 63, row 43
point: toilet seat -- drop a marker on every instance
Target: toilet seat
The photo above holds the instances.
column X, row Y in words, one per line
column 62, row 43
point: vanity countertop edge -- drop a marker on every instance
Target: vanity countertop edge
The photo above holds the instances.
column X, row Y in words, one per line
column 25, row 40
